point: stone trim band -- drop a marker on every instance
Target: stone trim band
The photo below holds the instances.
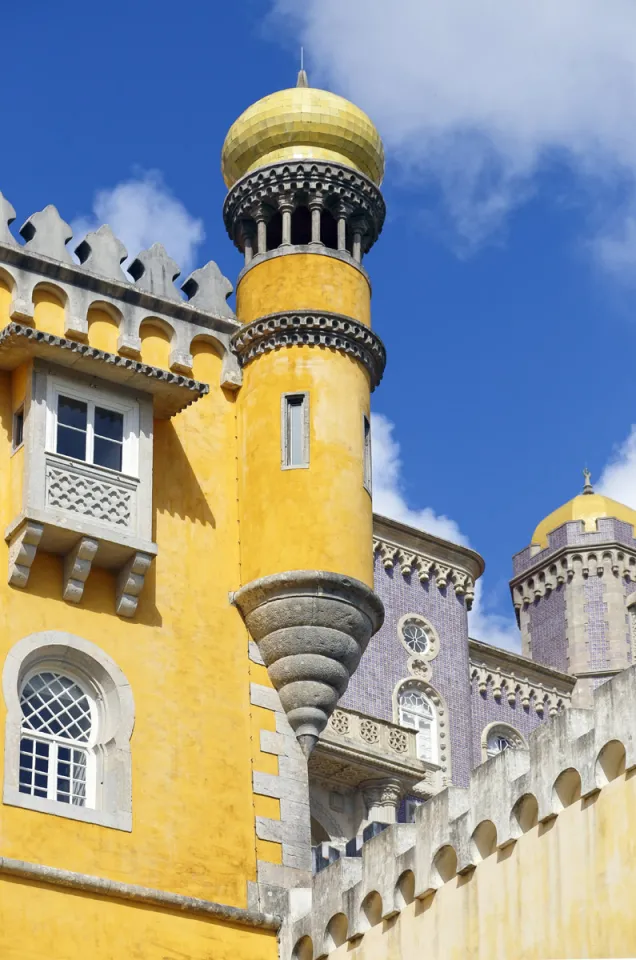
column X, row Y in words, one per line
column 315, row 330
column 36, row 872
column 57, row 348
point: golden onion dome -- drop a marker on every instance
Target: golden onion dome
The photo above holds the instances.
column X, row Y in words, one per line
column 588, row 507
column 302, row 123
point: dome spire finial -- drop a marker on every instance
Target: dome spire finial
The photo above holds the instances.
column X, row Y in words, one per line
column 588, row 488
column 303, row 80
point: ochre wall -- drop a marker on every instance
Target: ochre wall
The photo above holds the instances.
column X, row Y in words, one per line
column 303, row 281
column 328, row 516
column 40, row 921
column 185, row 655
column 563, row 890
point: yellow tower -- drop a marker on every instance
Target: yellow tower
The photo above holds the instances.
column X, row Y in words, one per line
column 303, row 168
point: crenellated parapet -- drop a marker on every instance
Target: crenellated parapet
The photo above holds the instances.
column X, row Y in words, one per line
column 146, row 292
column 567, row 762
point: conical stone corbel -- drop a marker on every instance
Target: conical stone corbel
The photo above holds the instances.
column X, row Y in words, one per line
column 311, row 627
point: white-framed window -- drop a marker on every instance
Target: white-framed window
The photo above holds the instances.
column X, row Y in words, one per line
column 366, row 437
column 58, row 732
column 93, row 426
column 417, row 712
column 498, row 737
column 295, row 431
column 17, row 432
column 70, row 717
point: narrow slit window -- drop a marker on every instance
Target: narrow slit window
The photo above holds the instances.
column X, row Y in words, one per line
column 18, row 428
column 367, row 453
column 295, row 430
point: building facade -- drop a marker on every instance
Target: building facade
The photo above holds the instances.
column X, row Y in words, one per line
column 214, row 657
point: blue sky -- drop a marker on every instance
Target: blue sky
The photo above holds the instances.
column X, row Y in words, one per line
column 504, row 279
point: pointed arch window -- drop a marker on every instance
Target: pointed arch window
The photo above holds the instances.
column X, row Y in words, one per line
column 58, row 731
column 498, row 737
column 417, row 712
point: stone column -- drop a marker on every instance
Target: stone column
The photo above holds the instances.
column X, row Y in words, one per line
column 262, row 216
column 248, row 231
column 286, row 207
column 358, row 231
column 382, row 798
column 315, row 207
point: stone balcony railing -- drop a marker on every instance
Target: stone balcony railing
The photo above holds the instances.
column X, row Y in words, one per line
column 355, row 747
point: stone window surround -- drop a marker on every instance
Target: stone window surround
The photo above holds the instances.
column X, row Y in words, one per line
column 439, row 704
column 284, row 439
column 506, row 730
column 40, row 525
column 432, row 649
column 116, row 709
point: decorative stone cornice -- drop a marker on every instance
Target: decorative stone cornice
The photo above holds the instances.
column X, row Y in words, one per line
column 305, row 327
column 412, row 562
column 173, row 391
column 567, row 564
column 340, row 189
column 515, row 688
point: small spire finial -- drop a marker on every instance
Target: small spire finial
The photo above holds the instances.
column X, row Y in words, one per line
column 588, row 488
column 302, row 80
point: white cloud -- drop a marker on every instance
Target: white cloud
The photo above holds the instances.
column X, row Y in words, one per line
column 477, row 95
column 618, row 479
column 143, row 211
column 388, row 496
column 389, row 500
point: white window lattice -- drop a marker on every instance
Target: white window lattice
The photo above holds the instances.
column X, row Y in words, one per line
column 417, row 713
column 498, row 742
column 57, row 724
column 415, row 636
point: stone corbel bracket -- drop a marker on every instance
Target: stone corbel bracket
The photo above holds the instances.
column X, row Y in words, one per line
column 98, row 281
column 513, row 688
column 78, row 562
column 425, row 568
column 574, row 755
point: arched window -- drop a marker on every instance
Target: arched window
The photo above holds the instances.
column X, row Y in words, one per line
column 498, row 737
column 418, row 713
column 70, row 717
column 58, row 731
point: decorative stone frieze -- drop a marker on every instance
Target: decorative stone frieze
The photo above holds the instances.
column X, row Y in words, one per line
column 425, row 568
column 348, row 195
column 99, row 281
column 576, row 754
column 279, row 330
column 311, row 627
column 518, row 681
column 549, row 573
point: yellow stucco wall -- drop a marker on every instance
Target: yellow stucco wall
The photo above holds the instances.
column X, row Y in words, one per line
column 185, row 655
column 328, row 521
column 563, row 890
column 40, row 921
column 303, row 281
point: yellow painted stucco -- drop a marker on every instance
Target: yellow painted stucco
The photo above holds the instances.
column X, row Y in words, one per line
column 155, row 345
column 565, row 889
column 98, row 927
column 328, row 523
column 303, row 281
column 103, row 332
column 48, row 312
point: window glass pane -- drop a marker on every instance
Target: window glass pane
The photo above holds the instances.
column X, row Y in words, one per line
column 72, row 443
column 72, row 413
column 18, row 428
column 107, row 453
column 367, row 454
column 294, row 423
column 54, row 704
column 109, row 424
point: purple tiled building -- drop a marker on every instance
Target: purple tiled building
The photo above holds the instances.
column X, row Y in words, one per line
column 427, row 703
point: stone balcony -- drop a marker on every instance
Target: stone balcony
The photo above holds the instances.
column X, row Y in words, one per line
column 355, row 748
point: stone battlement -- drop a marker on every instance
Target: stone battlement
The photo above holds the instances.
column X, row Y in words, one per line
column 146, row 291
column 568, row 760
column 572, row 535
